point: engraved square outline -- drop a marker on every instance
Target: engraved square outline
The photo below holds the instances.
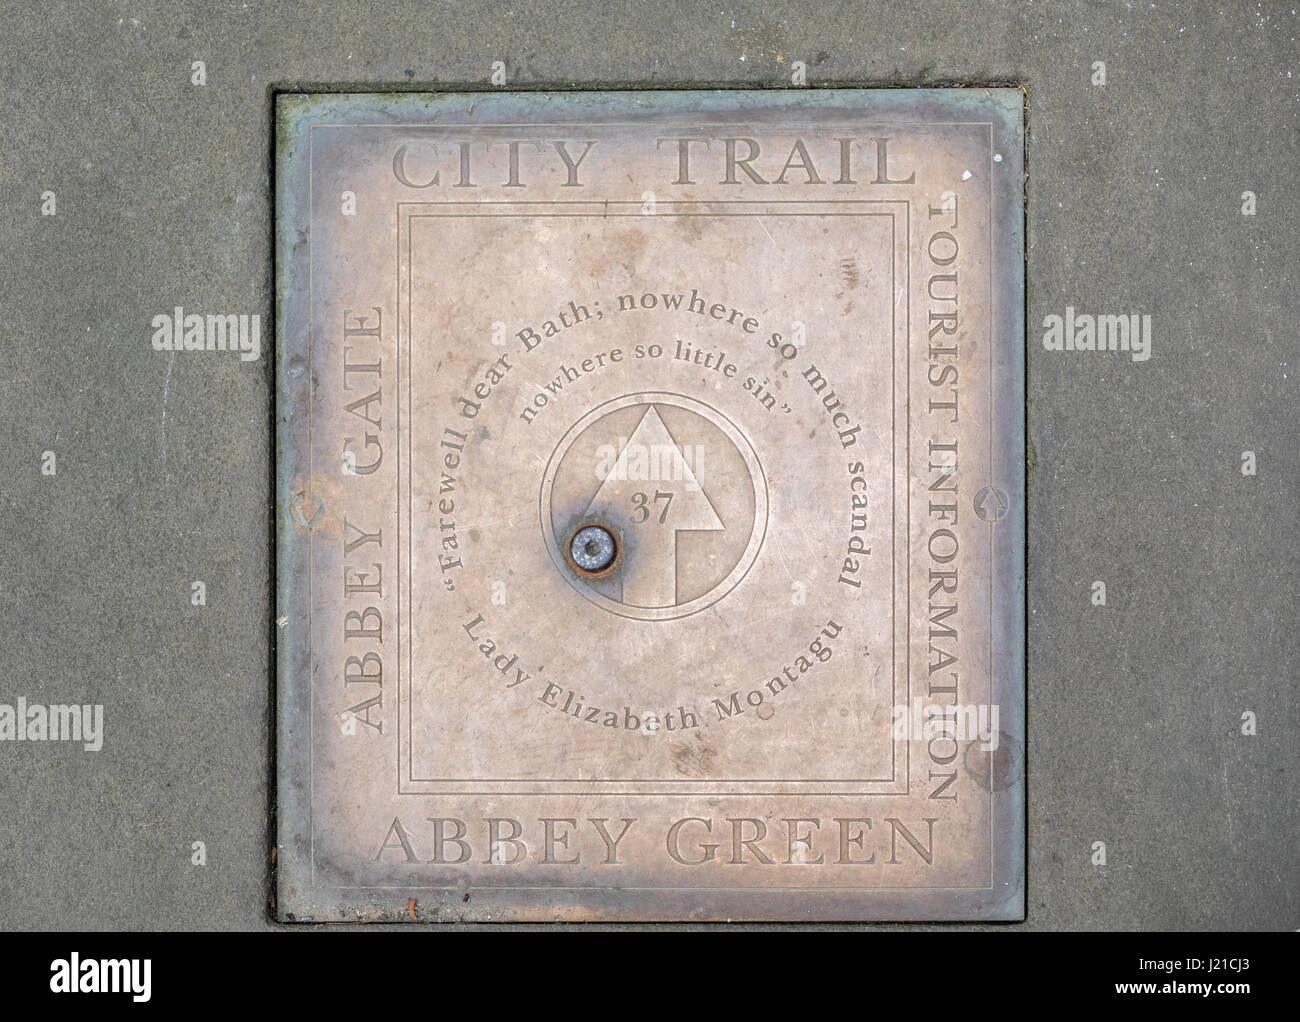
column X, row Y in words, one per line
column 538, row 208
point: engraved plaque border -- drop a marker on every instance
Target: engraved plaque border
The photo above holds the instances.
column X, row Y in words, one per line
column 303, row 892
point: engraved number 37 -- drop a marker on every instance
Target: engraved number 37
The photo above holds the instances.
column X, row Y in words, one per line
column 641, row 505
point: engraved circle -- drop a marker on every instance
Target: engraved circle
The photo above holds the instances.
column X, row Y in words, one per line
column 679, row 489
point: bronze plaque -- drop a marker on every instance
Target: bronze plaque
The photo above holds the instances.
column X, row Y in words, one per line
column 651, row 506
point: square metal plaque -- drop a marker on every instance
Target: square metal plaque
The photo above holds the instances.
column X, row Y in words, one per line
column 651, row 506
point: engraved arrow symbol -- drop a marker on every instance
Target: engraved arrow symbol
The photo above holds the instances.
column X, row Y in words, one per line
column 306, row 508
column 653, row 489
column 990, row 504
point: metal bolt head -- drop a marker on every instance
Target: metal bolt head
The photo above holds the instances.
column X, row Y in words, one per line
column 593, row 548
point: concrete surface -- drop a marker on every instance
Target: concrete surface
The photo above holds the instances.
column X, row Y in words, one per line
column 163, row 462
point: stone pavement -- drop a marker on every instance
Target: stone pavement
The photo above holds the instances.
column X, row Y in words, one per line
column 162, row 465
